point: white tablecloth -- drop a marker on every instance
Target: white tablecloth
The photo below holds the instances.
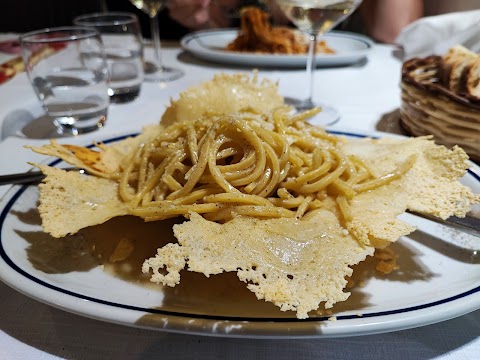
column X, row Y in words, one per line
column 367, row 95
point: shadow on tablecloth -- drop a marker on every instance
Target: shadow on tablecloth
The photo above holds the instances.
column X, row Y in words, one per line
column 23, row 123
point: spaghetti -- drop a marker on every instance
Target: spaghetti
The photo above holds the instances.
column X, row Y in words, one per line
column 263, row 166
column 258, row 35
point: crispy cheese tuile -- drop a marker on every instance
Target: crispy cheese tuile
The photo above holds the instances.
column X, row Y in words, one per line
column 224, row 94
column 70, row 201
column 295, row 270
column 430, row 186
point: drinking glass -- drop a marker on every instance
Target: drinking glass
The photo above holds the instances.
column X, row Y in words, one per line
column 68, row 70
column 156, row 71
column 315, row 18
column 123, row 45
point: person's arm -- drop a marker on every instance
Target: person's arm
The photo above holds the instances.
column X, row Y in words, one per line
column 384, row 19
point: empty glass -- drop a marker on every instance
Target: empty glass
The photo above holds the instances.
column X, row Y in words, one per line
column 122, row 40
column 68, row 70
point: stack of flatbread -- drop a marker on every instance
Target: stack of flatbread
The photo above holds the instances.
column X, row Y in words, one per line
column 441, row 97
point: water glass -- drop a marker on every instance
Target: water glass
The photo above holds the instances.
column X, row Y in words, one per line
column 122, row 40
column 68, row 70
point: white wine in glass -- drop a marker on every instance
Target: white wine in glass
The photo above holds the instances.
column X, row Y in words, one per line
column 156, row 71
column 316, row 17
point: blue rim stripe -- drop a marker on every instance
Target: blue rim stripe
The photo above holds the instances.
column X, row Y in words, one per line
column 22, row 272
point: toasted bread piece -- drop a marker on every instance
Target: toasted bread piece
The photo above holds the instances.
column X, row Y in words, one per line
column 457, row 52
column 453, row 65
column 472, row 79
column 457, row 75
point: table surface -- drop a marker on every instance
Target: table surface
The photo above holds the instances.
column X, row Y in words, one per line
column 367, row 95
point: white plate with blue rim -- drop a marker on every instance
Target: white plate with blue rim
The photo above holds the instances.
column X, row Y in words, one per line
column 438, row 279
column 211, row 45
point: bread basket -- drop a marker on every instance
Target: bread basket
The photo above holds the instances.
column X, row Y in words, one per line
column 429, row 108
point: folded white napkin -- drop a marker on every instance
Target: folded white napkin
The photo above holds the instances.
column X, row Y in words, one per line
column 434, row 35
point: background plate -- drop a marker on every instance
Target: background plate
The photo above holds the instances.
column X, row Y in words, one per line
column 436, row 281
column 210, row 44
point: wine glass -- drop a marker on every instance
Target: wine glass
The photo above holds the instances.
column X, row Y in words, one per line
column 156, row 71
column 316, row 17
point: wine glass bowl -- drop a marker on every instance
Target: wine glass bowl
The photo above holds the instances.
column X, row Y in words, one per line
column 149, row 7
column 156, row 71
column 315, row 18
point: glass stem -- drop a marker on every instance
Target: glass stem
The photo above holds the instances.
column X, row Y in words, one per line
column 157, row 46
column 311, row 65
